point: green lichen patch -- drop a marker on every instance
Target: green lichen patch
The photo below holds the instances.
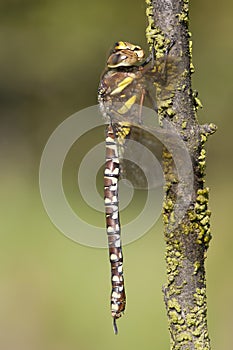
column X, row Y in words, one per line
column 199, row 222
column 184, row 125
column 196, row 101
column 188, row 325
column 155, row 37
column 165, row 108
column 174, row 260
column 203, row 138
column 168, row 205
column 192, row 68
column 172, row 264
column 202, row 217
column 200, row 296
column 197, row 319
column 150, row 30
column 196, row 265
column 184, row 336
column 202, row 161
column 183, row 17
column 174, row 304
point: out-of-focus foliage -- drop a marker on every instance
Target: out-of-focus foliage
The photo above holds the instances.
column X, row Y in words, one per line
column 54, row 293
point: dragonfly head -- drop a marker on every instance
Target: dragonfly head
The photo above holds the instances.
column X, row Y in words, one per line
column 125, row 54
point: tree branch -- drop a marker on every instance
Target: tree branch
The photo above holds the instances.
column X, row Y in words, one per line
column 187, row 238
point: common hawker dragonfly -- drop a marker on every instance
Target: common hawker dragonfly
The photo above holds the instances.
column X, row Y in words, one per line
column 129, row 78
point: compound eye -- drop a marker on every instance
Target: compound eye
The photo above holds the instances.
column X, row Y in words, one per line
column 116, row 60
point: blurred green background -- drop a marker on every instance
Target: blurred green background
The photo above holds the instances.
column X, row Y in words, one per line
column 54, row 293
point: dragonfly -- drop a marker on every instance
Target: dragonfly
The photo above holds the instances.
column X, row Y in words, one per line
column 127, row 81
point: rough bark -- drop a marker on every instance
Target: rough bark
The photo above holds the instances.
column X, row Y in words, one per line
column 187, row 240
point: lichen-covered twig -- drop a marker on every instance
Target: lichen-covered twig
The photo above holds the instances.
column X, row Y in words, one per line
column 187, row 240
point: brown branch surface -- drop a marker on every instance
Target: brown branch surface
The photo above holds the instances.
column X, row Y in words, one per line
column 187, row 238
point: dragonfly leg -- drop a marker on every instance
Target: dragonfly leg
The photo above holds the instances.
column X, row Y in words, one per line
column 140, row 107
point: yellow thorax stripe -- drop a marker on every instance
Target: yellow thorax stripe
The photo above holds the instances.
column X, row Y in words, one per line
column 127, row 105
column 122, row 85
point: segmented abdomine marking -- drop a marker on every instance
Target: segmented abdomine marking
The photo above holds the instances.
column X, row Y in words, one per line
column 111, row 177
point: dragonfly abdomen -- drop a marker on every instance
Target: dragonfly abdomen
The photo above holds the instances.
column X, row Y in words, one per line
column 111, row 178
